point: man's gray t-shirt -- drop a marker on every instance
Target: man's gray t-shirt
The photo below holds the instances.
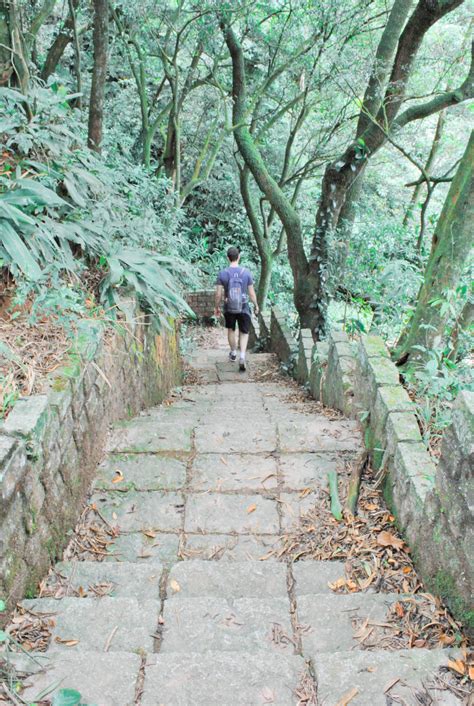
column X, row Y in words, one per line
column 247, row 279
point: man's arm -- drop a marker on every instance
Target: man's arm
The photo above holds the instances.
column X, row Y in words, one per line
column 253, row 298
column 219, row 296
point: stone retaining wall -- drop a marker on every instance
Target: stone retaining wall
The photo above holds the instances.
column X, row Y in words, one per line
column 433, row 503
column 51, row 443
column 202, row 303
column 281, row 340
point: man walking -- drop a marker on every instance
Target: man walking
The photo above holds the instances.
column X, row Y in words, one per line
column 235, row 285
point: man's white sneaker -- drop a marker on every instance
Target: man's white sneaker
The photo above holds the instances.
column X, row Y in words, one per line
column 232, row 356
column 242, row 366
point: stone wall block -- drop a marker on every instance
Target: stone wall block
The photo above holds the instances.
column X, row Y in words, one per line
column 34, row 494
column 412, row 469
column 388, row 399
column 305, row 347
column 27, row 421
column 380, row 371
column 282, row 341
column 318, row 368
column 13, row 463
column 400, row 427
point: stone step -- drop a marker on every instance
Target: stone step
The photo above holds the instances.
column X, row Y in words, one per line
column 222, row 678
column 233, row 625
column 372, row 674
column 140, row 472
column 247, row 579
column 125, row 579
column 120, row 624
column 328, row 622
column 102, row 678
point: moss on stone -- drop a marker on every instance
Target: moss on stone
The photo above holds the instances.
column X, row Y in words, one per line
column 444, row 585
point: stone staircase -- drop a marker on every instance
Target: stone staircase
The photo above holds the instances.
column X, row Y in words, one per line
column 184, row 610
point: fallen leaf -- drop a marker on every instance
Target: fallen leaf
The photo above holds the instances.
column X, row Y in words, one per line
column 335, row 585
column 446, row 639
column 458, row 666
column 471, row 672
column 119, row 477
column 399, row 610
column 175, row 586
column 348, row 696
column 161, row 620
column 305, row 492
column 68, row 643
column 251, row 508
column 224, row 461
column 149, row 533
column 114, row 515
column 406, row 570
column 370, row 506
column 386, row 539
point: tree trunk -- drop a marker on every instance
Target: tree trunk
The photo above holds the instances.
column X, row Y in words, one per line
column 57, row 48
column 429, row 163
column 99, row 74
column 6, row 66
column 274, row 193
column 262, row 239
column 77, row 54
column 451, row 249
column 14, row 69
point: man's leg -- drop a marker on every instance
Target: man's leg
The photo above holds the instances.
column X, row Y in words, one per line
column 230, row 322
column 243, row 343
column 244, row 328
column 232, row 338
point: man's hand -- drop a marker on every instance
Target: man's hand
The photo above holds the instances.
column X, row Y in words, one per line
column 256, row 310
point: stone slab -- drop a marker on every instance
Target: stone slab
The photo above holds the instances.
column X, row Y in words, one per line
column 293, row 506
column 240, row 625
column 139, row 548
column 244, row 579
column 105, row 679
column 234, row 434
column 225, row 547
column 218, row 513
column 133, row 512
column 314, row 576
column 92, row 622
column 313, row 435
column 145, row 436
column 215, row 679
column 328, row 618
column 372, row 672
column 218, row 472
column 300, row 470
column 140, row 472
column 127, row 579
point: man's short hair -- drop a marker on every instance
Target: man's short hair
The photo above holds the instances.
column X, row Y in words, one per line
column 233, row 254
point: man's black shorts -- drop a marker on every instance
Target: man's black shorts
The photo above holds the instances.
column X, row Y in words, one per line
column 243, row 320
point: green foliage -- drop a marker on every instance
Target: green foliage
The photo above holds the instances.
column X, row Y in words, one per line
column 442, row 372
column 62, row 208
column 67, row 697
